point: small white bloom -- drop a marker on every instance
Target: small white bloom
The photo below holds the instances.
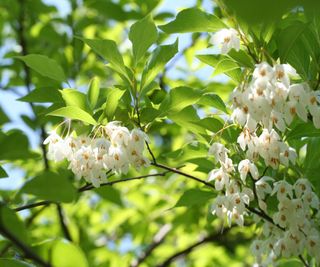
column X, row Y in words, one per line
column 219, row 177
column 219, row 152
column 226, row 39
column 245, row 166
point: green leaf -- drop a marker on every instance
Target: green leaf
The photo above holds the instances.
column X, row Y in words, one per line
column 241, row 58
column 113, row 97
column 288, row 37
column 211, row 124
column 14, row 263
column 193, row 20
column 213, row 100
column 179, row 98
column 211, row 60
column 43, row 95
column 73, row 113
column 65, row 254
column 187, row 119
column 111, row 194
column 108, row 49
column 94, row 91
column 159, row 59
column 193, row 197
column 311, row 162
column 3, row 117
column 44, row 66
column 3, row 173
column 11, row 222
column 14, row 145
column 229, row 68
column 142, row 35
column 75, row 98
column 51, row 186
column 303, row 130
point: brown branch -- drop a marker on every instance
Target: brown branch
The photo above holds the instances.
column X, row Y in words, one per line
column 175, row 170
column 90, row 187
column 213, row 237
column 157, row 241
column 63, row 223
column 33, row 205
column 27, row 251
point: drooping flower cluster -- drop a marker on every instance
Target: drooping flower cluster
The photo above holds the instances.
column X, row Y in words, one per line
column 92, row 158
column 265, row 104
column 268, row 145
column 295, row 222
column 226, row 39
column 272, row 101
column 232, row 204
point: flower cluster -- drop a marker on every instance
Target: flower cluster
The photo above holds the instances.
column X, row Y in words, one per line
column 264, row 105
column 231, row 205
column 268, row 145
column 294, row 229
column 92, row 158
column 271, row 100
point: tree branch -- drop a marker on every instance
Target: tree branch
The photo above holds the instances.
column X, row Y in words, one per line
column 157, row 241
column 175, row 170
column 90, row 187
column 28, row 252
column 33, row 205
column 213, row 237
column 63, row 223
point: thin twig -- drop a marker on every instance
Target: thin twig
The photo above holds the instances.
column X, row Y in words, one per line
column 28, row 252
column 33, row 205
column 175, row 170
column 157, row 241
column 63, row 223
column 214, row 237
column 90, row 186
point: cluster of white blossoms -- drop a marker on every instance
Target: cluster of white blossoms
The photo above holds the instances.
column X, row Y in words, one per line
column 267, row 145
column 264, row 105
column 294, row 230
column 272, row 101
column 92, row 158
column 232, row 204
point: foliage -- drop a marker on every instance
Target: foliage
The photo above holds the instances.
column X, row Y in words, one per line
column 147, row 69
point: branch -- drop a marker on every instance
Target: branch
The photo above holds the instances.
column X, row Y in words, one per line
column 213, row 237
column 63, row 224
column 28, row 252
column 33, row 205
column 90, row 187
column 175, row 170
column 157, row 241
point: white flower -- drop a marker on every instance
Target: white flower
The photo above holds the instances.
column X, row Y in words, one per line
column 263, row 188
column 245, row 166
column 57, row 149
column 226, row 39
column 287, row 154
column 263, row 70
column 301, row 187
column 138, row 139
column 219, row 206
column 283, row 189
column 257, row 248
column 219, row 152
column 219, row 177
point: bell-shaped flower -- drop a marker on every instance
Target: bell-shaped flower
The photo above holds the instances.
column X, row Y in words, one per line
column 226, row 39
